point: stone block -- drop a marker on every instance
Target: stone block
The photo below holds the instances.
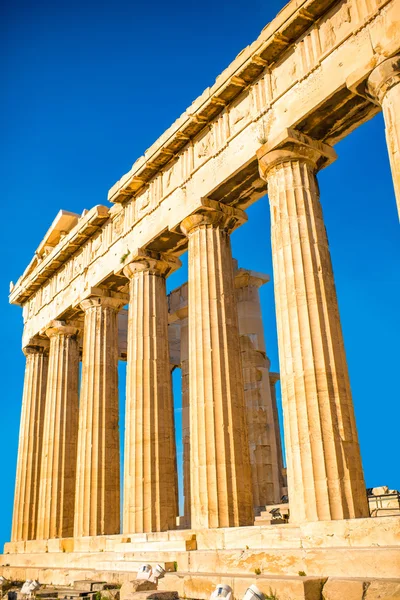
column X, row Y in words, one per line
column 129, row 588
column 33, row 546
column 67, row 545
column 84, row 585
column 14, row 547
column 98, row 586
column 381, row 589
column 113, row 594
column 340, row 589
column 155, row 596
column 190, row 545
column 210, row 539
column 378, row 491
column 384, row 531
column 54, row 545
column 173, row 581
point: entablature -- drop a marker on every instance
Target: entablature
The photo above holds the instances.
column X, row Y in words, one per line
column 48, row 263
column 292, row 21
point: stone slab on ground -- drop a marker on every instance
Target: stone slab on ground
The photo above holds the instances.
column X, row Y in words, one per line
column 130, row 588
column 85, row 585
column 157, row 595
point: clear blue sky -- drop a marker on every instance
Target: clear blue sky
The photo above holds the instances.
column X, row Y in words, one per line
column 87, row 87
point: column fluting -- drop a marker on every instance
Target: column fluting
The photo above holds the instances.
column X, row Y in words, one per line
column 150, row 465
column 30, row 444
column 60, row 435
column 97, row 499
column 221, row 494
column 325, row 476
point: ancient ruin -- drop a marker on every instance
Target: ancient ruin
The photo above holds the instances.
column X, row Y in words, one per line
column 268, row 125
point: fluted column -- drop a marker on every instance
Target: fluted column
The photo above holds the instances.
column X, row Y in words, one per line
column 183, row 315
column 273, row 379
column 150, row 478
column 60, row 434
column 30, row 444
column 325, row 476
column 97, row 499
column 219, row 459
column 383, row 86
column 264, row 447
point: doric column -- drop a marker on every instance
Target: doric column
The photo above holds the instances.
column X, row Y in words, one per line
column 150, row 478
column 325, row 476
column 219, row 459
column 183, row 316
column 97, row 500
column 30, row 444
column 265, row 453
column 60, row 434
column 273, row 379
column 383, row 86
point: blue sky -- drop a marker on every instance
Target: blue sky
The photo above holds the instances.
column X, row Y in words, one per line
column 87, row 87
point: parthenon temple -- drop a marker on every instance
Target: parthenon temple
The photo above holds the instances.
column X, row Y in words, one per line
column 95, row 294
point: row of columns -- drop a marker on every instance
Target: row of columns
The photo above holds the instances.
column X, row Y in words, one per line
column 324, row 467
column 325, row 477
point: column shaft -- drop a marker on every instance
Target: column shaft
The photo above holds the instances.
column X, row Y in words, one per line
column 60, row 433
column 30, row 445
column 273, row 378
column 219, row 459
column 325, row 476
column 97, row 500
column 263, row 434
column 150, row 478
column 185, row 418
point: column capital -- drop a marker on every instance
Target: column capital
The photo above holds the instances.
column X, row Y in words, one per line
column 29, row 350
column 274, row 378
column 104, row 301
column 383, row 78
column 36, row 345
column 61, row 328
column 214, row 214
column 292, row 145
column 247, row 278
column 156, row 263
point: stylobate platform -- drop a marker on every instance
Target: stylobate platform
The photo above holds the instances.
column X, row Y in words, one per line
column 274, row 555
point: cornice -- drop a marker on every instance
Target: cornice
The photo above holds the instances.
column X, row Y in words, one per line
column 33, row 279
column 292, row 21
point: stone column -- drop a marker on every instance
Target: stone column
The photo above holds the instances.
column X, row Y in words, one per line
column 325, row 476
column 150, row 464
column 30, row 444
column 265, row 451
column 383, row 86
column 273, row 379
column 220, row 472
column 97, row 500
column 60, row 434
column 183, row 316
